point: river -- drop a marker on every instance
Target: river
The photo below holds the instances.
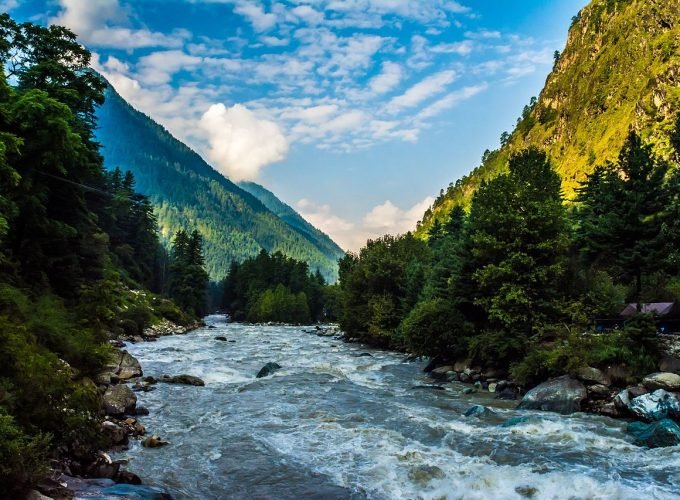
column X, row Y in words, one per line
column 334, row 424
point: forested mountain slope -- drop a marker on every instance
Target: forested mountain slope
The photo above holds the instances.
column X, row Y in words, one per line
column 189, row 193
column 620, row 69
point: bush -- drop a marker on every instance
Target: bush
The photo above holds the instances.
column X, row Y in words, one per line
column 434, row 328
column 23, row 459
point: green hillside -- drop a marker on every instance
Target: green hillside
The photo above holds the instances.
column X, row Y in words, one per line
column 620, row 69
column 189, row 193
column 288, row 215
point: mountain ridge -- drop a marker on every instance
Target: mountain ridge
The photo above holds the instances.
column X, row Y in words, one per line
column 620, row 70
column 187, row 192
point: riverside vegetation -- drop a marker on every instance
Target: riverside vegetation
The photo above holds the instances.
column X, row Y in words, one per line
column 513, row 284
column 80, row 257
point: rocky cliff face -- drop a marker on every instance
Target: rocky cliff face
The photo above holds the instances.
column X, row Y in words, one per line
column 620, row 69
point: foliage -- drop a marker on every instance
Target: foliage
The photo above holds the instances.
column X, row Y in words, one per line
column 590, row 100
column 277, row 288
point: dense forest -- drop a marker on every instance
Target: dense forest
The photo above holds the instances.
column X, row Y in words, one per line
column 79, row 252
column 275, row 288
column 515, row 282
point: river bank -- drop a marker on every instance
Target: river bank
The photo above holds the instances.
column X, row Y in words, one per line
column 341, row 420
column 94, row 473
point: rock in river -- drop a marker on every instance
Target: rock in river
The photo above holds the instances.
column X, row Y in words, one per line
column 154, row 442
column 662, row 380
column 562, row 395
column 183, row 379
column 655, row 435
column 478, row 411
column 221, row 338
column 268, row 369
column 119, row 400
column 657, row 405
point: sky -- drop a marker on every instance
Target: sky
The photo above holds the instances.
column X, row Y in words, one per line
column 354, row 112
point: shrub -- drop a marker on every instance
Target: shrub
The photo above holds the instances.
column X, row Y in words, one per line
column 434, row 328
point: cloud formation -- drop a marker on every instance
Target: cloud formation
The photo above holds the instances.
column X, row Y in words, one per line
column 240, row 143
column 386, row 218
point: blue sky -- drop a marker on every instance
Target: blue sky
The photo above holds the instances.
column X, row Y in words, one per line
column 355, row 112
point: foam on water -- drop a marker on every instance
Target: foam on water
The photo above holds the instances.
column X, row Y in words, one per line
column 334, row 424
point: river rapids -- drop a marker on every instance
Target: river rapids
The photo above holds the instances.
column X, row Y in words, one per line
column 334, row 424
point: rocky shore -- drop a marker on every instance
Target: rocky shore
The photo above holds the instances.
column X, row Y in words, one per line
column 88, row 473
column 652, row 406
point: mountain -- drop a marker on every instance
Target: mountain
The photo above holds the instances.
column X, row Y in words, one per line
column 189, row 193
column 288, row 215
column 620, row 69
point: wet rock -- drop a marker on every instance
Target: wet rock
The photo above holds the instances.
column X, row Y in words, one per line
column 655, row 435
column 562, row 395
column 464, row 377
column 670, row 364
column 423, row 474
column 128, row 366
column 138, row 492
column 104, row 470
column 127, row 477
column 364, row 355
column 429, row 386
column 655, row 406
column 150, row 380
column 141, row 411
column 622, row 401
column 598, row 391
column 507, row 394
column 440, row 373
column 154, row 442
column 182, row 379
column 469, row 390
column 117, row 434
column 662, row 380
column 451, row 376
column 590, row 376
column 221, row 339
column 512, row 421
column 526, row 491
column 492, row 387
column 434, row 363
column 119, row 400
column 478, row 411
column 268, row 369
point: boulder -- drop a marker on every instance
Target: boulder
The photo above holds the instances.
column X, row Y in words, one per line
column 469, row 390
column 662, row 380
column 440, row 373
column 513, row 421
column 423, row 474
column 590, row 376
column 507, row 394
column 128, row 366
column 464, row 377
column 118, row 434
column 182, row 379
column 655, row 406
column 492, row 387
column 221, row 339
column 598, row 391
column 478, row 411
column 140, row 410
column 451, row 376
column 562, row 395
column 154, row 442
column 127, row 477
column 655, row 435
column 268, row 369
column 119, row 400
column 670, row 364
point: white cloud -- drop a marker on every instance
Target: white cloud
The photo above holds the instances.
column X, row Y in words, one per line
column 389, row 78
column 308, row 14
column 450, row 101
column 103, row 23
column 158, row 67
column 382, row 219
column 430, row 86
column 7, row 5
column 240, row 143
column 463, row 48
column 260, row 20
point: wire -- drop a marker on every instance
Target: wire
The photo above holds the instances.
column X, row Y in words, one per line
column 85, row 186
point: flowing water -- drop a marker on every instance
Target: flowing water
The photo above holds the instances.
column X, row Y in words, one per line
column 334, row 424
